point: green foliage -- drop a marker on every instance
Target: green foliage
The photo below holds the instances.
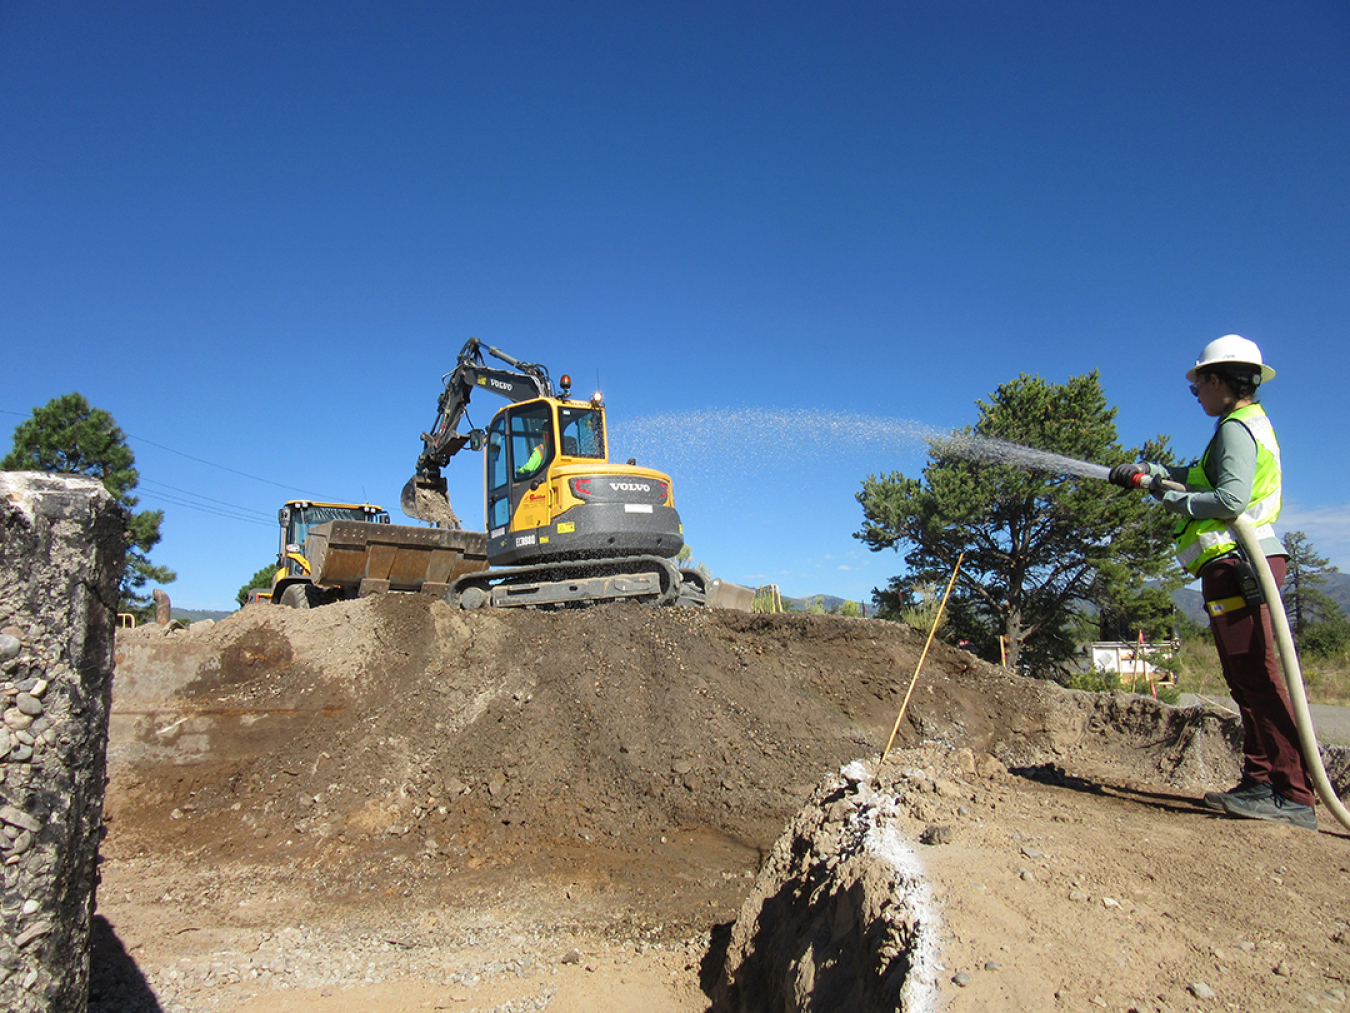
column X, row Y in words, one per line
column 1327, row 680
column 1037, row 545
column 816, row 606
column 1198, row 670
column 1172, row 664
column 262, row 580
column 769, row 600
column 1096, row 681
column 1326, row 638
column 919, row 606
column 1326, row 676
column 1185, row 628
column 1101, row 681
column 69, row 437
column 685, row 560
column 1318, row 624
column 763, row 602
column 1170, row 694
column 1166, row 664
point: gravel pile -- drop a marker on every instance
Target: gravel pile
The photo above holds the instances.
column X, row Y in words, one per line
column 331, row 960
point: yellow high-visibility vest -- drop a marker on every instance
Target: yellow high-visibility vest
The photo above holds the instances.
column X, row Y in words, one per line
column 1199, row 541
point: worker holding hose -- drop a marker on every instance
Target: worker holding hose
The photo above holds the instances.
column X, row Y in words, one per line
column 1238, row 474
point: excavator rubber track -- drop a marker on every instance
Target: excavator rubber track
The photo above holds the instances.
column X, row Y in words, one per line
column 647, row 579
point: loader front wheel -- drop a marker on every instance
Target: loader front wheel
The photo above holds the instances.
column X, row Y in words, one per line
column 300, row 596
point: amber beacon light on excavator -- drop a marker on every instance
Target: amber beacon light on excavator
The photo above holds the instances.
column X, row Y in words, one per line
column 564, row 523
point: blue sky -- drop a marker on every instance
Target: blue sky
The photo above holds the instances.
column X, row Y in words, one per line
column 259, row 233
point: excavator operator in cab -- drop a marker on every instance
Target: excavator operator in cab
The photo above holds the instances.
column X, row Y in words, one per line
column 538, row 456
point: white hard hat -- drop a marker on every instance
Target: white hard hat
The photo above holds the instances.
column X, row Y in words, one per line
column 1234, row 349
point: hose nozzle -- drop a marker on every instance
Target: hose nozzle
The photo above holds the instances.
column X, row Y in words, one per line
column 1157, row 486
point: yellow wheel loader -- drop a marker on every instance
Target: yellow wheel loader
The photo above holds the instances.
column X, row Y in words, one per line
column 335, row 551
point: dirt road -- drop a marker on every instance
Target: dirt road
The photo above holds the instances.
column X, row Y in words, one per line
column 1332, row 723
column 387, row 804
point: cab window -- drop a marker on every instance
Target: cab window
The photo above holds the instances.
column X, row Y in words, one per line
column 497, row 472
column 583, row 432
column 531, row 441
column 498, row 475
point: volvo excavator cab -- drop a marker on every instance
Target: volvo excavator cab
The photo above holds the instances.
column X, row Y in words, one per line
column 553, row 494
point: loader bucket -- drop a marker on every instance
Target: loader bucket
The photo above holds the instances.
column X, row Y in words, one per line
column 723, row 594
column 366, row 558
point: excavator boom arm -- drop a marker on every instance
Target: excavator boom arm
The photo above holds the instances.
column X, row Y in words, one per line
column 424, row 497
column 527, row 380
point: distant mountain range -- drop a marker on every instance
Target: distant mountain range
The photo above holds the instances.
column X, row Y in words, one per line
column 196, row 615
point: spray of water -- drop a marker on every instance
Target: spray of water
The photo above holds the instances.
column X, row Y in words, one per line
column 756, row 432
column 979, row 448
column 708, row 439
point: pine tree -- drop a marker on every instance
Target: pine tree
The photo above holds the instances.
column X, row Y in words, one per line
column 262, row 581
column 1313, row 614
column 68, row 436
column 1038, row 546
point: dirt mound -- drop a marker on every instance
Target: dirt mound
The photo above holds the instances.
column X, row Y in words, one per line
column 398, row 727
column 410, row 783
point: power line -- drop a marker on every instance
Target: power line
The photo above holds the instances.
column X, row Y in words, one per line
column 206, row 504
column 208, row 499
column 176, row 501
column 200, row 460
column 212, row 464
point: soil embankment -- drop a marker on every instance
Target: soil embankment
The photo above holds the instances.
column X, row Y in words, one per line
column 562, row 808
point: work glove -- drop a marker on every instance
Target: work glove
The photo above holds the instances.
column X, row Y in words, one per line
column 1127, row 476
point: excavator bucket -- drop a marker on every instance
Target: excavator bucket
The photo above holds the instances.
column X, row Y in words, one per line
column 426, row 498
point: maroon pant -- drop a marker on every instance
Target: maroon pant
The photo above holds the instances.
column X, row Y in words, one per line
column 1246, row 646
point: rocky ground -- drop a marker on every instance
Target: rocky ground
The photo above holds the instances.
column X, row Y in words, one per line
column 387, row 804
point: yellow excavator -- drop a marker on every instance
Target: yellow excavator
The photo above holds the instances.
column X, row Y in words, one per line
column 564, row 523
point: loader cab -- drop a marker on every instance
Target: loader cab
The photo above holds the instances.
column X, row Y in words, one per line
column 298, row 516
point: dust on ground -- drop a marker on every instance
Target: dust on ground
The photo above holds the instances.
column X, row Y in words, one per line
column 390, row 804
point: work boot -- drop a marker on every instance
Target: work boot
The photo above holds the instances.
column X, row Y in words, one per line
column 1275, row 808
column 1246, row 789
